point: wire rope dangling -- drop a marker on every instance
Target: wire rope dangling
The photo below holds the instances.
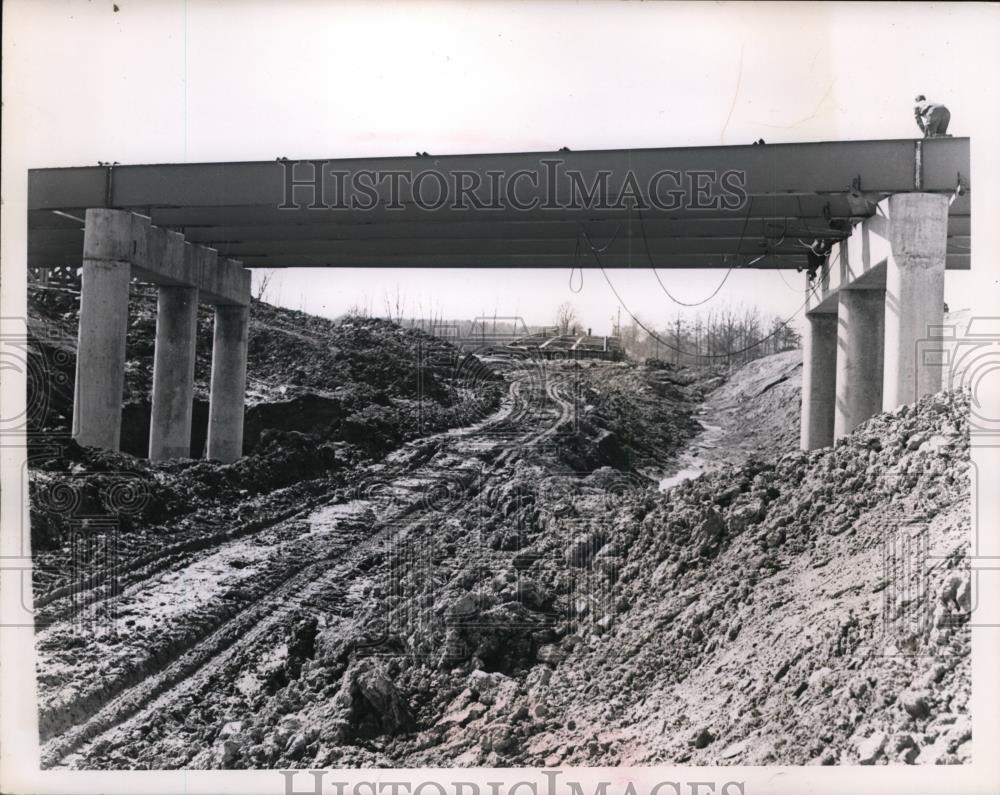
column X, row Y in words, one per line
column 715, row 292
column 576, row 267
column 576, row 254
column 781, row 325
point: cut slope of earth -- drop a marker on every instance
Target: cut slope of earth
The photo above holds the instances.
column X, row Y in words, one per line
column 515, row 593
column 324, row 398
column 756, row 409
column 751, row 412
column 748, row 616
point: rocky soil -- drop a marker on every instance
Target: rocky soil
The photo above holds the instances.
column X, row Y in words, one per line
column 515, row 592
column 324, row 397
column 806, row 610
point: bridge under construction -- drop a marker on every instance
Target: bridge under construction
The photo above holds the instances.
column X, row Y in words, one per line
column 876, row 223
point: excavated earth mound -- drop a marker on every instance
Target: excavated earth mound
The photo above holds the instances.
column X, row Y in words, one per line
column 324, row 397
column 511, row 593
column 811, row 609
column 756, row 410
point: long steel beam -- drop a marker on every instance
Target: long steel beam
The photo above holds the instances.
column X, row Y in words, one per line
column 780, row 194
column 880, row 166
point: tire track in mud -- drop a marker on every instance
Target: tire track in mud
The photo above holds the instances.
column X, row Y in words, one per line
column 242, row 632
column 69, row 597
column 305, row 570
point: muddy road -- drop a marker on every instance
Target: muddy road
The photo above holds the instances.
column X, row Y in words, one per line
column 516, row 593
column 149, row 673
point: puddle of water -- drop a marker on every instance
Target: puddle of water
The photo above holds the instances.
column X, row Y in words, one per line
column 691, row 464
column 689, row 473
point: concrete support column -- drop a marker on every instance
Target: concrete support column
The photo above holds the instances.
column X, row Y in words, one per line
column 100, row 356
column 173, row 373
column 229, row 371
column 860, row 329
column 819, row 378
column 914, row 295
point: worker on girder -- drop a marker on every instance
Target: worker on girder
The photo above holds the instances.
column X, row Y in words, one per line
column 817, row 254
column 932, row 119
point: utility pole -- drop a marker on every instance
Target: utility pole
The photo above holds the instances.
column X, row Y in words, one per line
column 697, row 342
column 677, row 341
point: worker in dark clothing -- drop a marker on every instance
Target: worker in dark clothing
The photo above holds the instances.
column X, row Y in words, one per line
column 817, row 253
column 932, row 119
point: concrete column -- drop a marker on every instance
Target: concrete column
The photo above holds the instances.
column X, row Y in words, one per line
column 100, row 355
column 173, row 373
column 860, row 328
column 229, row 373
column 914, row 296
column 819, row 378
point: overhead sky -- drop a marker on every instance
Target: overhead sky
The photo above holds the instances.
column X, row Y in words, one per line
column 173, row 81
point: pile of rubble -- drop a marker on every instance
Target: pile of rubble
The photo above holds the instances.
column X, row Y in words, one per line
column 808, row 609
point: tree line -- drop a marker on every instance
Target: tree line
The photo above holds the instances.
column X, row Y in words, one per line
column 724, row 335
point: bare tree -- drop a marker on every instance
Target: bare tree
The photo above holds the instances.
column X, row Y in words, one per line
column 565, row 317
column 263, row 283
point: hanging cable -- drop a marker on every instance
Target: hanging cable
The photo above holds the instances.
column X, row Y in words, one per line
column 715, row 292
column 607, row 245
column 782, row 325
column 784, row 234
column 785, row 281
column 576, row 256
column 576, row 267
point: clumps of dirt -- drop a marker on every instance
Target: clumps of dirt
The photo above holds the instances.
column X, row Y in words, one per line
column 809, row 609
column 303, row 372
column 324, row 397
column 299, row 647
column 630, row 417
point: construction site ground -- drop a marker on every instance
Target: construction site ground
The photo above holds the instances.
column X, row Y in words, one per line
column 434, row 560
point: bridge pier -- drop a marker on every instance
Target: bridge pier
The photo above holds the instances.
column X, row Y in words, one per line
column 819, row 378
column 100, row 355
column 117, row 246
column 914, row 296
column 229, row 372
column 884, row 302
column 173, row 373
column 860, row 328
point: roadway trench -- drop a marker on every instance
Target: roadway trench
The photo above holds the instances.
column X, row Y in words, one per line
column 218, row 608
column 501, row 594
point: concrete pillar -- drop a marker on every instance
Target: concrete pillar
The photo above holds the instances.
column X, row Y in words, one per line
column 173, row 373
column 860, row 328
column 914, row 296
column 819, row 378
column 100, row 355
column 229, row 372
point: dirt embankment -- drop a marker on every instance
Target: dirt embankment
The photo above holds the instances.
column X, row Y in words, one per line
column 203, row 636
column 811, row 609
column 324, row 397
column 757, row 409
column 516, row 593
